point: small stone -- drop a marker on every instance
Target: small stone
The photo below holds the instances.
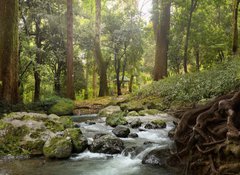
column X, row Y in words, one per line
column 133, row 135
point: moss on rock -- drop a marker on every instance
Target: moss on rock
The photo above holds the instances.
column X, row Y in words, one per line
column 58, row 147
column 78, row 140
column 116, row 119
column 133, row 113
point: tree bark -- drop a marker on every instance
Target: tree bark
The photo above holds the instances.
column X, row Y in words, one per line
column 235, row 27
column 38, row 60
column 197, row 54
column 161, row 55
column 94, row 81
column 131, row 83
column 9, row 51
column 185, row 57
column 102, row 67
column 70, row 74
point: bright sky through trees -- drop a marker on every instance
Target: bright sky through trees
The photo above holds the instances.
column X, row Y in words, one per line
column 145, row 7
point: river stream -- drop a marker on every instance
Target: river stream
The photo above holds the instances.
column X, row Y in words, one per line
column 88, row 163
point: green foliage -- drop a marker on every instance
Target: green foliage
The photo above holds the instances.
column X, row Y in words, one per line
column 195, row 86
column 62, row 107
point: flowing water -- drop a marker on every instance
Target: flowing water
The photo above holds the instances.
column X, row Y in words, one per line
column 88, row 163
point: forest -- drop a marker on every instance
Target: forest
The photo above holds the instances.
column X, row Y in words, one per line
column 130, row 87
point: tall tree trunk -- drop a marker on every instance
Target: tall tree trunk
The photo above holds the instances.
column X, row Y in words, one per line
column 197, row 54
column 131, row 83
column 70, row 74
column 94, row 81
column 102, row 67
column 189, row 22
column 161, row 54
column 235, row 27
column 38, row 60
column 86, row 94
column 9, row 51
column 117, row 65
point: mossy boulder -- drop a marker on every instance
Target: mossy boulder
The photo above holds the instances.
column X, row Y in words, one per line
column 62, row 107
column 156, row 124
column 133, row 113
column 116, row 119
column 148, row 112
column 109, row 111
column 132, row 106
column 58, row 147
column 79, row 142
column 25, row 133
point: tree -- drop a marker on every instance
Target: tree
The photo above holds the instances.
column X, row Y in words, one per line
column 235, row 27
column 70, row 75
column 102, row 67
column 9, row 51
column 161, row 30
column 191, row 10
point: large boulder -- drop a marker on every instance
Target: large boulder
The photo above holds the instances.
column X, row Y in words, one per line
column 132, row 106
column 26, row 133
column 58, row 146
column 107, row 144
column 109, row 111
column 157, row 157
column 121, row 131
column 136, row 123
column 116, row 119
column 79, row 142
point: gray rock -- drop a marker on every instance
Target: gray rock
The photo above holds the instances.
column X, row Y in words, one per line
column 133, row 135
column 108, row 111
column 107, row 144
column 121, row 131
column 157, row 157
column 136, row 123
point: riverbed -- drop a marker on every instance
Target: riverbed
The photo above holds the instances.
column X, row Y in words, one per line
column 88, row 163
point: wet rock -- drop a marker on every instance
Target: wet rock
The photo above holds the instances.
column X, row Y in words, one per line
column 129, row 151
column 136, row 123
column 156, row 124
column 121, row 131
column 107, row 144
column 90, row 122
column 79, row 142
column 98, row 135
column 142, row 129
column 133, row 113
column 157, row 157
column 116, row 119
column 58, row 147
column 133, row 135
column 109, row 111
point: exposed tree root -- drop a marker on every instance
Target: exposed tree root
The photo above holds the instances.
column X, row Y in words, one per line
column 208, row 137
